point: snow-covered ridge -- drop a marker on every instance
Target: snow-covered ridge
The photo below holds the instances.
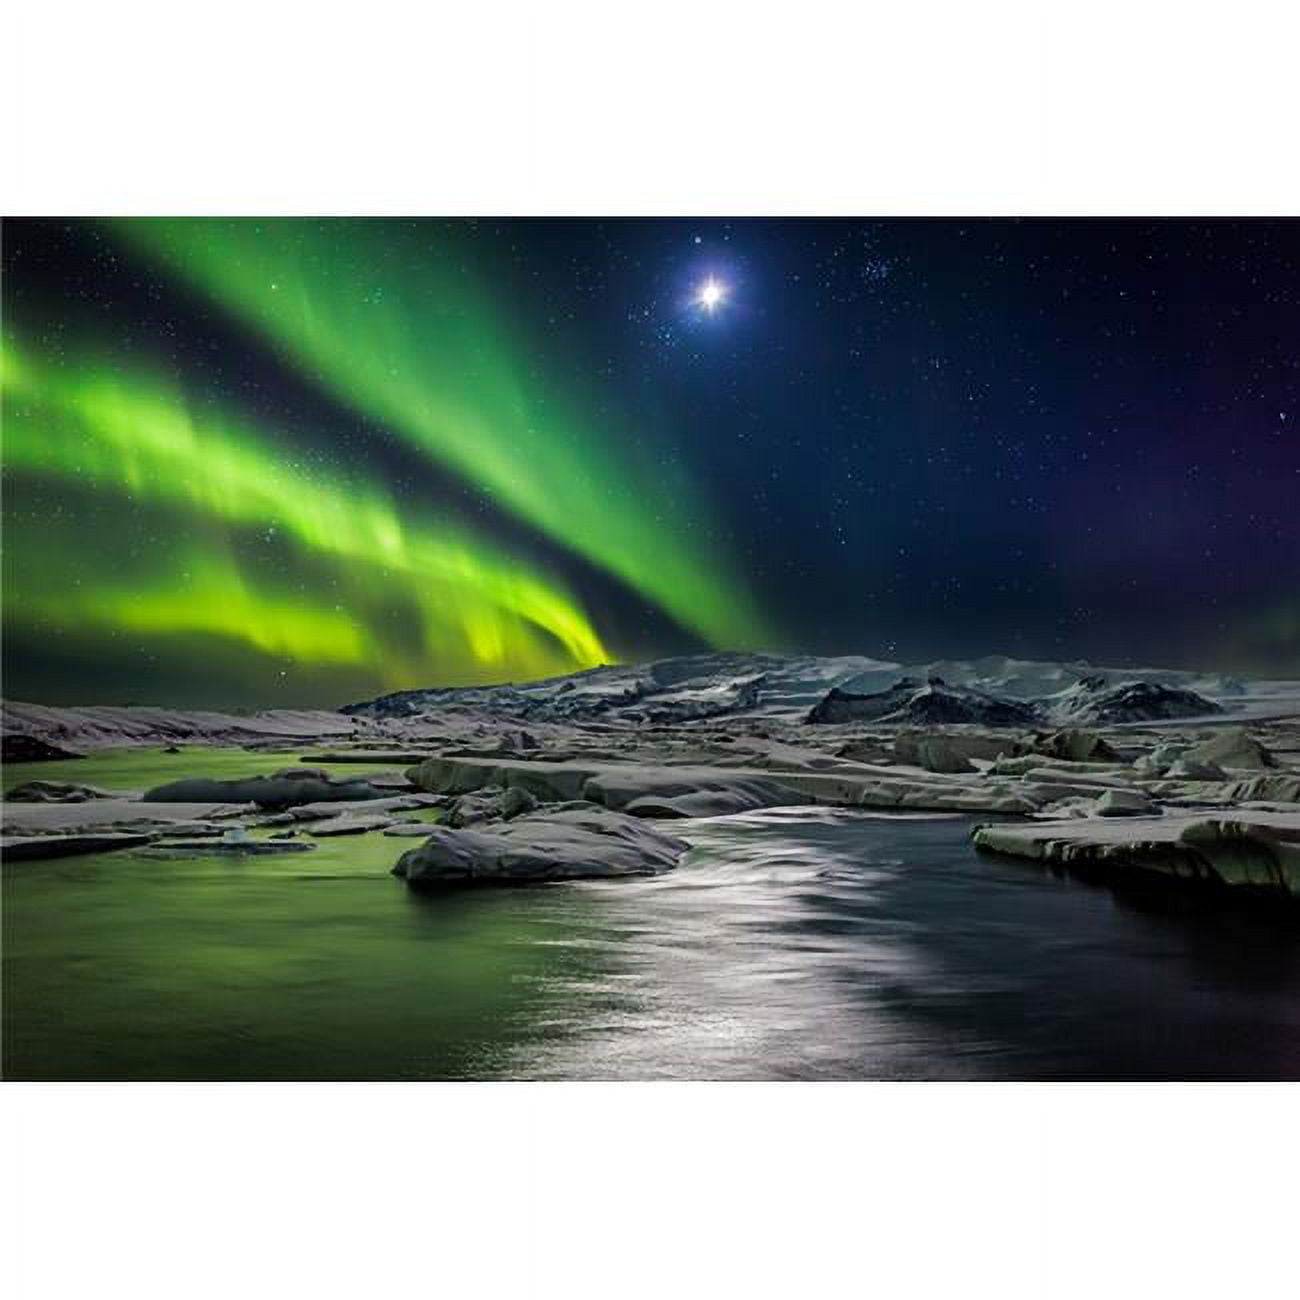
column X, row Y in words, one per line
column 793, row 687
column 995, row 691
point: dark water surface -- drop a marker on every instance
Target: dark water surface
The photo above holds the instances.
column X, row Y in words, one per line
column 792, row 944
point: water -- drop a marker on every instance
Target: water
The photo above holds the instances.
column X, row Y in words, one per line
column 792, row 944
column 142, row 768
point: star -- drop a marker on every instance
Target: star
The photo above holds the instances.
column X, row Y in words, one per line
column 711, row 295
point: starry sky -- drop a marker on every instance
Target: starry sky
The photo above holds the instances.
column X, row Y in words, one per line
column 268, row 462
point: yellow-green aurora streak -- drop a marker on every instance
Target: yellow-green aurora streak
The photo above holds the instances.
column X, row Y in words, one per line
column 482, row 614
column 400, row 332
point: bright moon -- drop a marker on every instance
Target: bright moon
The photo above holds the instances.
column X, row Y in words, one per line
column 711, row 294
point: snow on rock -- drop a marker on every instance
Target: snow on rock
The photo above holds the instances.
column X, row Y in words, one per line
column 102, row 726
column 284, row 789
column 1124, row 803
column 1224, row 847
column 949, row 751
column 938, row 702
column 933, row 702
column 569, row 844
column 112, row 815
column 1096, row 699
column 1075, row 746
column 350, row 825
column 488, row 805
column 1280, row 787
column 58, row 792
column 1230, row 747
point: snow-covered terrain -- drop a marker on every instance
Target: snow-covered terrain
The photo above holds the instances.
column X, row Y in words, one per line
column 792, row 687
column 536, row 770
column 994, row 691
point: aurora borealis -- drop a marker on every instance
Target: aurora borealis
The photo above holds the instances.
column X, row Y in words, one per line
column 282, row 558
column 255, row 462
column 135, row 435
column 405, row 337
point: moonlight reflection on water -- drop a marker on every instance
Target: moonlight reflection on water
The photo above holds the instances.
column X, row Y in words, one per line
column 790, row 944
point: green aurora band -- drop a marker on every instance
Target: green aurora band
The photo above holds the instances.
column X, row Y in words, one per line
column 479, row 614
column 404, row 335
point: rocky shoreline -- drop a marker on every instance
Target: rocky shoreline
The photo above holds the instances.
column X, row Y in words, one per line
column 1180, row 775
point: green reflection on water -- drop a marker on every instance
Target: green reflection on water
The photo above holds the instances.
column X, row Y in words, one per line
column 141, row 768
column 310, row 965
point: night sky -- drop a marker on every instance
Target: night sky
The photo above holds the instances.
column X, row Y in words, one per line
column 302, row 462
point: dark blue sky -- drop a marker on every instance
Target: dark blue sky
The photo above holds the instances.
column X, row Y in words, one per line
column 1050, row 437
